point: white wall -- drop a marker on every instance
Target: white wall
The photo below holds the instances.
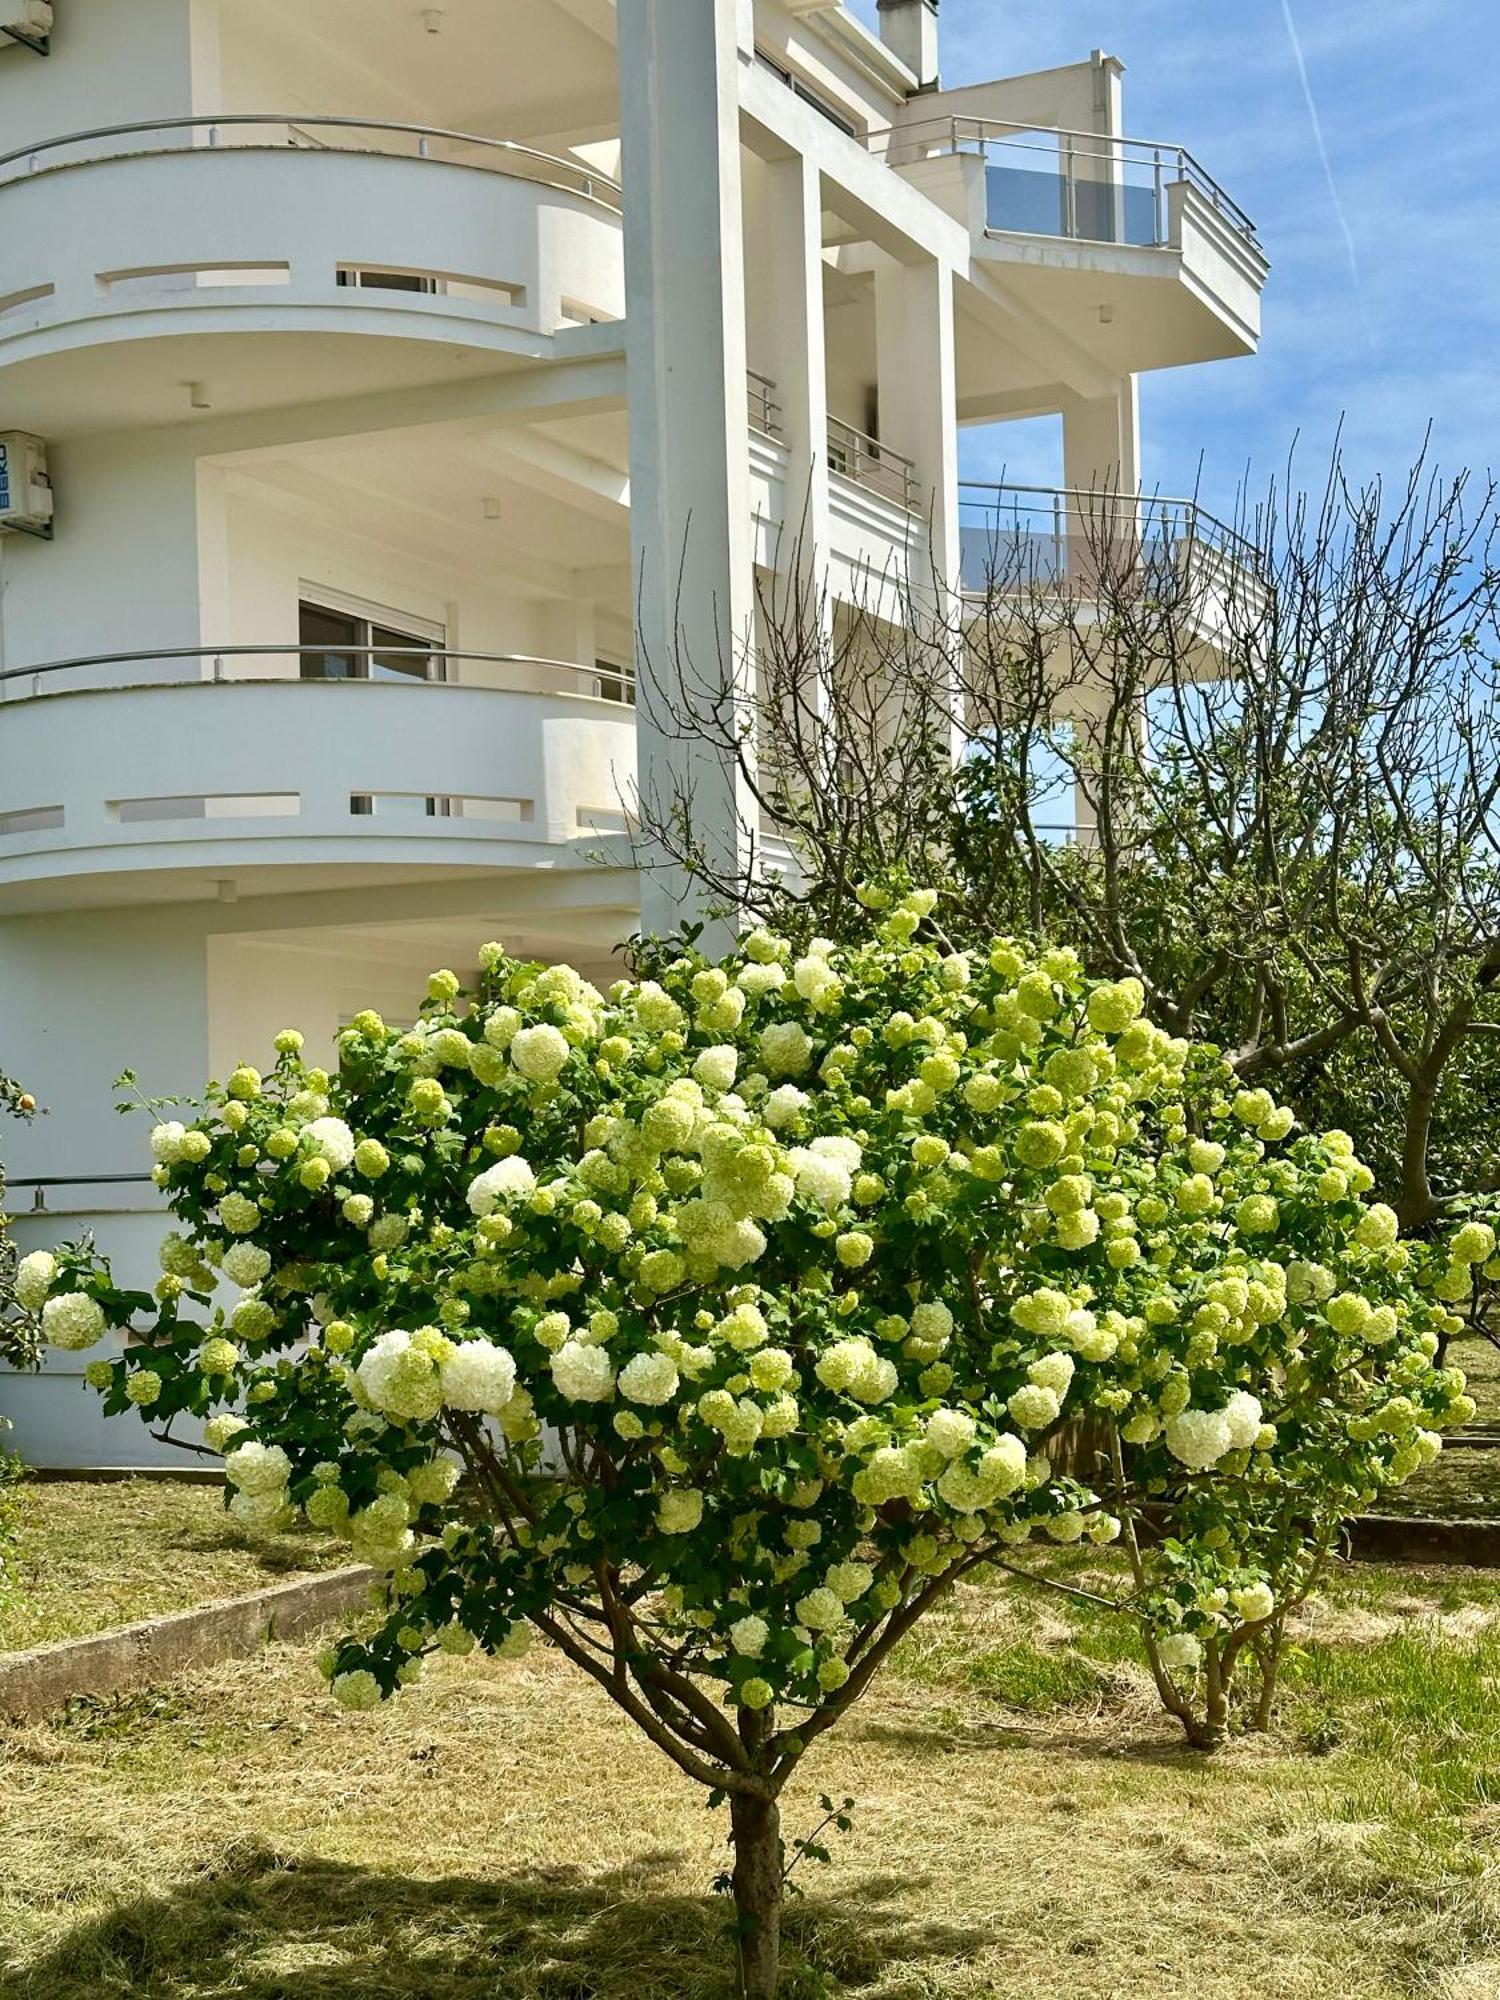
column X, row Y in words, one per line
column 121, row 572
column 276, row 545
column 112, row 62
column 162, row 991
column 261, row 72
column 260, row 984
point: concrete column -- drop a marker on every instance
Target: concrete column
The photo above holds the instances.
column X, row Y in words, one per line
column 1102, row 462
column 1098, row 165
column 918, row 395
column 1102, row 441
column 797, row 359
column 685, row 369
column 918, row 403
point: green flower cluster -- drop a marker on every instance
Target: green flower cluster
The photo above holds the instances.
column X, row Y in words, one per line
column 720, row 1321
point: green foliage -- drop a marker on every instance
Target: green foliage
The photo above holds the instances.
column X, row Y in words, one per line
column 714, row 1328
column 18, row 1330
column 12, row 1511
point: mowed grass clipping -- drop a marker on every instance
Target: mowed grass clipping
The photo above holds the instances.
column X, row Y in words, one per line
column 96, row 1554
column 1027, row 1825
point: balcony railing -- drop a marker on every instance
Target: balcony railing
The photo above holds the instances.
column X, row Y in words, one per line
column 1086, row 186
column 765, row 411
column 291, row 130
column 502, row 672
column 38, row 1184
column 1011, row 536
column 871, row 464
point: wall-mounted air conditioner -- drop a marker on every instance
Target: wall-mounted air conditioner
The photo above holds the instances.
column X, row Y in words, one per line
column 25, row 489
column 28, row 22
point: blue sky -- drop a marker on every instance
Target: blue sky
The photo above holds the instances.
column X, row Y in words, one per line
column 1393, row 325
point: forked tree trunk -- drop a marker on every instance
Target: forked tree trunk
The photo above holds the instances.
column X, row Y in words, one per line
column 756, row 1828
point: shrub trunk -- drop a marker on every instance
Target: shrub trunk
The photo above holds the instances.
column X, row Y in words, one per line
column 756, row 1829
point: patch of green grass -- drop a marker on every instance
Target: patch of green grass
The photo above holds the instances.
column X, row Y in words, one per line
column 93, row 1555
column 1461, row 1482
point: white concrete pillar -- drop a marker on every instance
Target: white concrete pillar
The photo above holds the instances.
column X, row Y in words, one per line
column 1102, row 441
column 794, row 333
column 1102, row 468
column 1102, row 464
column 1098, row 163
column 689, row 443
column 918, row 396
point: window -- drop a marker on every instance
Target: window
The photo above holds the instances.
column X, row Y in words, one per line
column 806, row 93
column 398, row 805
column 337, row 646
column 346, row 646
column 384, row 281
column 616, row 683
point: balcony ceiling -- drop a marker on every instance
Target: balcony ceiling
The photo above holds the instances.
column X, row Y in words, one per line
column 525, row 69
column 140, row 384
column 526, row 507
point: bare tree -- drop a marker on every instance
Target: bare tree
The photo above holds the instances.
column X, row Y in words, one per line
column 1254, row 767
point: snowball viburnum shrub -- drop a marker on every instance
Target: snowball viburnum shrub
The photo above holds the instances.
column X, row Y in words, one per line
column 748, row 1300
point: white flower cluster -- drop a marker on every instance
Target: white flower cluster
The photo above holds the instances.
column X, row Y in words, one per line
column 790, row 1268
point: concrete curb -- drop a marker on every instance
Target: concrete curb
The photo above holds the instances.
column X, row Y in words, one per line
column 38, row 1683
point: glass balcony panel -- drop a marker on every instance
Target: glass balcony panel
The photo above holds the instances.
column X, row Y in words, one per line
column 1041, row 201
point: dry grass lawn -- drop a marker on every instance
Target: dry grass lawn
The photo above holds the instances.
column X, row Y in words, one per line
column 1026, row 1825
column 96, row 1554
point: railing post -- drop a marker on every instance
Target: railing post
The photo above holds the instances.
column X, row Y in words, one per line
column 423, row 150
column 213, row 136
column 218, row 666
column 1070, row 193
column 1160, row 205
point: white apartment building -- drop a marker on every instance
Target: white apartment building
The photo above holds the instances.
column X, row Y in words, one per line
column 376, row 377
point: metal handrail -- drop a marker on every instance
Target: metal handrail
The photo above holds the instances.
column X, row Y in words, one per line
column 577, row 179
column 436, row 655
column 868, row 462
column 1167, row 161
column 1176, row 521
column 765, row 411
column 39, row 1184
column 1100, row 500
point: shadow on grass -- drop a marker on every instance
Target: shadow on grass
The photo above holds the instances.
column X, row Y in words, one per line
column 260, row 1926
column 275, row 1559
column 1163, row 1745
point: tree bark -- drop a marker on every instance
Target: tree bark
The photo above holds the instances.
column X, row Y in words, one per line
column 756, row 1831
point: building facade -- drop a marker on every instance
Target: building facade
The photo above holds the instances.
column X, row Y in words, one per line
column 387, row 389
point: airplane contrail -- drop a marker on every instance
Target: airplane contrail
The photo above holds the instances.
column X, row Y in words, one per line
column 1322, row 145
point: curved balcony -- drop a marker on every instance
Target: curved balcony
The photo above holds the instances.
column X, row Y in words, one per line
column 161, row 762
column 452, row 247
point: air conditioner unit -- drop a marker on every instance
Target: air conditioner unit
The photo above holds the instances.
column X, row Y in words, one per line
column 28, row 22
column 25, row 489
